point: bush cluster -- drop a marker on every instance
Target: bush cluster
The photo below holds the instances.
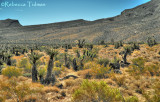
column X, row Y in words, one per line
column 11, row 71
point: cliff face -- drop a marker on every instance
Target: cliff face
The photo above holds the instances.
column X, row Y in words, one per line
column 132, row 25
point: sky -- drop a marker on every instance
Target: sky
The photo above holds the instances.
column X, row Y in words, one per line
column 32, row 12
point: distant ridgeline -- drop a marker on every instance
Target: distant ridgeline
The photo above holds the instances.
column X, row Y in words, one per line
column 132, row 25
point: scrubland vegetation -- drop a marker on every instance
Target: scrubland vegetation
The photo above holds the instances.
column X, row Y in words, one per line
column 106, row 72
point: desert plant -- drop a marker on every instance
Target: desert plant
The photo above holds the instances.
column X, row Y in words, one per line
column 75, row 66
column 125, row 53
column 89, row 46
column 11, row 71
column 34, row 57
column 132, row 99
column 81, row 43
column 41, row 71
column 102, row 42
column 153, row 69
column 118, row 44
column 96, row 92
column 24, row 63
column 135, row 46
column 112, row 41
column 138, row 66
column 99, row 71
column 16, row 91
column 52, row 53
column 155, row 96
column 151, row 41
column 66, row 60
column 103, row 61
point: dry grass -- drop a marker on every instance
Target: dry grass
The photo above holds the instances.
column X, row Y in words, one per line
column 129, row 84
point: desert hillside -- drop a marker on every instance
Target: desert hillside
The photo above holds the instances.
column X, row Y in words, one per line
column 136, row 24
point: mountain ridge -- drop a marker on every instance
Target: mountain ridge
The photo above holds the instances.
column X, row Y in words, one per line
column 136, row 24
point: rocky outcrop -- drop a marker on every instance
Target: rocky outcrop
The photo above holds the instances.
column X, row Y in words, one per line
column 8, row 23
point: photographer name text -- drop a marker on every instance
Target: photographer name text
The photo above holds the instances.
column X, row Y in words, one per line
column 24, row 4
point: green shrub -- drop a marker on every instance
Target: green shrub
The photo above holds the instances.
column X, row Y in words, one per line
column 131, row 99
column 138, row 66
column 118, row 44
column 42, row 71
column 57, row 70
column 151, row 41
column 29, row 75
column 155, row 95
column 11, row 71
column 99, row 71
column 153, row 69
column 103, row 61
column 16, row 91
column 24, row 63
column 96, row 92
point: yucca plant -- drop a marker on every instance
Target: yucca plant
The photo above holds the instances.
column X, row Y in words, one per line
column 34, row 57
column 52, row 53
column 151, row 41
column 125, row 53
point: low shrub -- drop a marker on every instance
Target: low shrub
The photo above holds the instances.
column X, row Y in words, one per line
column 16, row 91
column 155, row 95
column 99, row 71
column 24, row 63
column 103, row 61
column 92, row 91
column 29, row 75
column 120, row 80
column 153, row 69
column 11, row 71
column 132, row 99
column 42, row 71
column 138, row 68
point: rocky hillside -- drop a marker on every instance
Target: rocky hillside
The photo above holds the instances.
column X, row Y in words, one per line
column 132, row 25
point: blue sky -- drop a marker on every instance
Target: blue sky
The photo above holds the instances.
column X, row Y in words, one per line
column 64, row 10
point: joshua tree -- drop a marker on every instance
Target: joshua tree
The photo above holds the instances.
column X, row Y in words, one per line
column 112, row 41
column 81, row 43
column 52, row 53
column 151, row 41
column 75, row 66
column 67, row 64
column 127, row 50
column 78, row 53
column 34, row 57
column 118, row 44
